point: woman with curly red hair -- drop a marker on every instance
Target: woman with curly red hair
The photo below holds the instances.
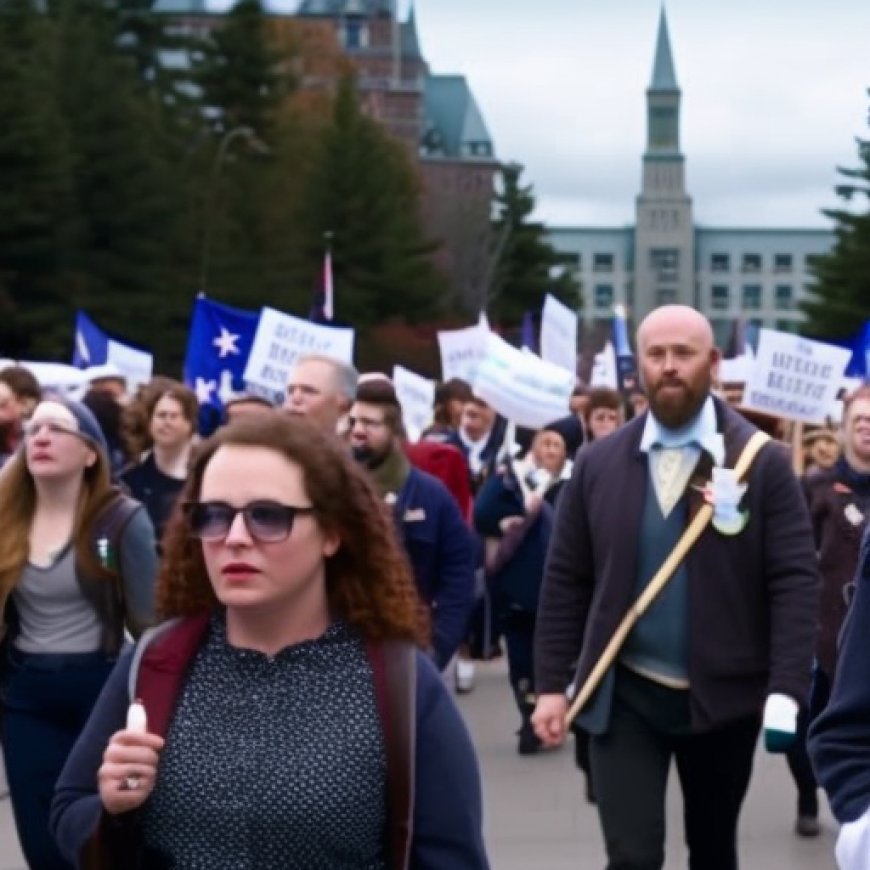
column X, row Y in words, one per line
column 283, row 729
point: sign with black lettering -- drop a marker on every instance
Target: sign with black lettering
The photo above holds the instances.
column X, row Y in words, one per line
column 795, row 377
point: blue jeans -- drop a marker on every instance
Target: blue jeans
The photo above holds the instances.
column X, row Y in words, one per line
column 47, row 699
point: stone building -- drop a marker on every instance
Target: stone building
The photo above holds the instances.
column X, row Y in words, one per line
column 759, row 274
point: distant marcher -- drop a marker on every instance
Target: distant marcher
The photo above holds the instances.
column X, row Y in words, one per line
column 605, row 413
column 839, row 503
column 450, row 397
column 77, row 569
column 821, row 449
column 19, row 395
column 513, row 512
column 245, row 404
column 159, row 476
column 109, row 413
column 291, row 723
column 322, row 389
column 433, row 532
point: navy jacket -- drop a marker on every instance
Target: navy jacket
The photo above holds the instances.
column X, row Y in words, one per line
column 839, row 740
column 447, row 795
column 441, row 549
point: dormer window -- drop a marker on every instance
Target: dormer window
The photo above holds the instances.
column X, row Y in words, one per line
column 354, row 34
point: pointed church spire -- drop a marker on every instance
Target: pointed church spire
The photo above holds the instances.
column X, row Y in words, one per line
column 663, row 77
column 410, row 37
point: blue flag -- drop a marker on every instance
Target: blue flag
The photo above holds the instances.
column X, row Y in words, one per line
column 91, row 343
column 218, row 347
column 626, row 367
column 527, row 332
column 859, row 365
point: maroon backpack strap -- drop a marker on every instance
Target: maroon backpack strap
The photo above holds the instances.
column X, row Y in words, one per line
column 394, row 670
column 161, row 665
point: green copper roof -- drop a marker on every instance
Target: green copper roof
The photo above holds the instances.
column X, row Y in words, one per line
column 455, row 124
column 663, row 77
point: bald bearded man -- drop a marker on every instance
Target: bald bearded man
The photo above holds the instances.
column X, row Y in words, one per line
column 733, row 629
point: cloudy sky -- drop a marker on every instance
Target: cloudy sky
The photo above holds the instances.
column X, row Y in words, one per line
column 774, row 94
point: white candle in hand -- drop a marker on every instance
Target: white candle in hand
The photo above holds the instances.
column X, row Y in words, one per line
column 136, row 719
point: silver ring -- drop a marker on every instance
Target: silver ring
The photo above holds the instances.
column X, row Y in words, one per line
column 131, row 783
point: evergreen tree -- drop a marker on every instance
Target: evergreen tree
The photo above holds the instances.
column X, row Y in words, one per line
column 840, row 300
column 127, row 187
column 525, row 265
column 363, row 190
column 241, row 75
column 37, row 212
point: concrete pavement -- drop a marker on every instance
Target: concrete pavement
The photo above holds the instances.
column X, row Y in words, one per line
column 537, row 818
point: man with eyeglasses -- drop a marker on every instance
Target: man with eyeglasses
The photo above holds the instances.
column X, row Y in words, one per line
column 435, row 536
column 321, row 389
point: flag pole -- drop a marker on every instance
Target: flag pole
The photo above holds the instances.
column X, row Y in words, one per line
column 328, row 289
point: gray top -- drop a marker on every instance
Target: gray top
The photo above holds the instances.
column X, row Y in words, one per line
column 272, row 762
column 54, row 616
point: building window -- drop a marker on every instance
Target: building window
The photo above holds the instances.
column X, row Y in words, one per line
column 355, row 34
column 664, row 263
column 602, row 262
column 812, row 261
column 666, row 295
column 604, row 296
column 792, row 326
column 720, row 297
column 720, row 263
column 569, row 259
column 752, row 296
column 782, row 262
column 784, row 297
column 752, row 262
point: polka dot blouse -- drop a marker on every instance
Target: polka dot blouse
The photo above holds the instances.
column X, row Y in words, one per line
column 272, row 762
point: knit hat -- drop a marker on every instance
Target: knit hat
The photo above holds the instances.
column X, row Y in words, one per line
column 571, row 432
column 88, row 427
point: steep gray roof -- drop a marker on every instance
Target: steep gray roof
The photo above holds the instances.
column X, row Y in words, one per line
column 410, row 39
column 455, row 125
column 663, row 76
column 345, row 7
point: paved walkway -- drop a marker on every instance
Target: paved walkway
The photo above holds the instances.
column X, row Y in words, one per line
column 536, row 818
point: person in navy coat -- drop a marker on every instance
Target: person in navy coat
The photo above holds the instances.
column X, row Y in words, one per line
column 436, row 538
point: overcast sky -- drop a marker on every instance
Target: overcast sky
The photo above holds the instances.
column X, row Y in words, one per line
column 774, row 93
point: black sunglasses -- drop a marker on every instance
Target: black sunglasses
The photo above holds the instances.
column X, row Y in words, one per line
column 266, row 521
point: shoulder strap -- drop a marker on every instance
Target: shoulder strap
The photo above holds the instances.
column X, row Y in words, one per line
column 114, row 519
column 160, row 665
column 394, row 669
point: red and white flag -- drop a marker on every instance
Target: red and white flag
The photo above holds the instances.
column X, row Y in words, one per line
column 328, row 301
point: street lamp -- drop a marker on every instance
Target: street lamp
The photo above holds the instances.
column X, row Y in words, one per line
column 242, row 132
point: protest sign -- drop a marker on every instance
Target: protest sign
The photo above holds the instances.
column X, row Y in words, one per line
column 462, row 350
column 559, row 334
column 521, row 386
column 281, row 339
column 416, row 395
column 604, row 370
column 795, row 377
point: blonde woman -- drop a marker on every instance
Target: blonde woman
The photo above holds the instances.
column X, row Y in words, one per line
column 77, row 568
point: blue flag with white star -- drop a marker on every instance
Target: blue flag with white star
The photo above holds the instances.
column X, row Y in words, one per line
column 218, row 346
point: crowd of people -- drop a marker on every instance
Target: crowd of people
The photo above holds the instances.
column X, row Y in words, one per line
column 295, row 596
